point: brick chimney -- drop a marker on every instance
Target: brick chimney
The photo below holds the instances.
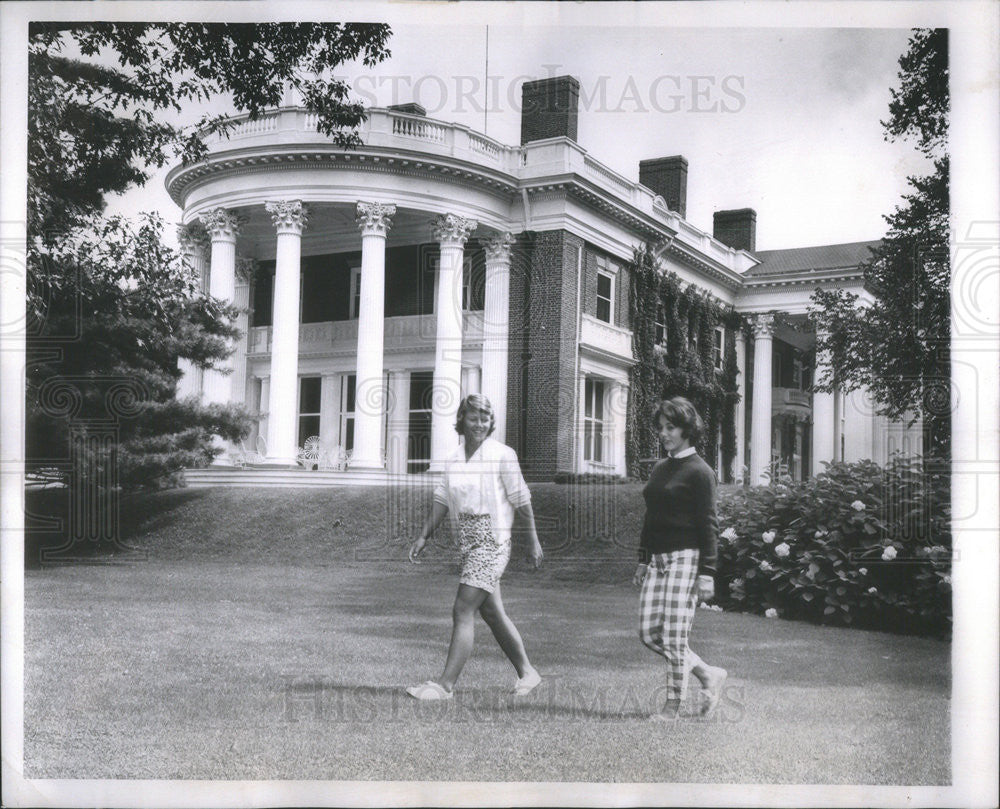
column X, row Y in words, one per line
column 668, row 177
column 737, row 229
column 412, row 108
column 549, row 108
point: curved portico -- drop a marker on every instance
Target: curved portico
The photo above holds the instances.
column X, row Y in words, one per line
column 290, row 205
column 384, row 282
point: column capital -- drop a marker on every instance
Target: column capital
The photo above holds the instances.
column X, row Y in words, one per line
column 288, row 215
column 497, row 248
column 763, row 326
column 193, row 238
column 374, row 218
column 222, row 225
column 453, row 230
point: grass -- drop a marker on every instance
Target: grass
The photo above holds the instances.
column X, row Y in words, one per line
column 268, row 635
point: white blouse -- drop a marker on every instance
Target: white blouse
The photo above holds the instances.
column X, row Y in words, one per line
column 490, row 482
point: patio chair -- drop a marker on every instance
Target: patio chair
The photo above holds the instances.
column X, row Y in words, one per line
column 309, row 454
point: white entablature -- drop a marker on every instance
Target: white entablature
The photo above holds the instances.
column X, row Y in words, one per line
column 440, row 168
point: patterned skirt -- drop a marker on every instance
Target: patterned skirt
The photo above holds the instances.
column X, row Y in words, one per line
column 483, row 559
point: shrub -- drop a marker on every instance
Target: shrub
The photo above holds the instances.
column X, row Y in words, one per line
column 859, row 544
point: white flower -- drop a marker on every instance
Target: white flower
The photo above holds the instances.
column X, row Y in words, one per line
column 737, row 583
column 872, row 590
column 715, row 608
column 768, row 536
column 863, row 571
column 703, row 606
column 782, row 550
column 766, row 566
column 946, row 579
column 889, row 554
column 729, row 534
column 820, row 534
column 857, row 505
column 771, row 612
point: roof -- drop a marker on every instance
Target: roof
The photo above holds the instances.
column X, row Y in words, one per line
column 804, row 259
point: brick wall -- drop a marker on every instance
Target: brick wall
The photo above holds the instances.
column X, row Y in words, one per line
column 541, row 403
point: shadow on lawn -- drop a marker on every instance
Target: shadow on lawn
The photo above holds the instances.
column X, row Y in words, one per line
column 48, row 533
column 321, row 698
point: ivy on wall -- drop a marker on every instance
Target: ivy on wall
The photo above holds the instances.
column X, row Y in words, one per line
column 682, row 365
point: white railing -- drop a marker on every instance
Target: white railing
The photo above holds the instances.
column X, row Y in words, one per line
column 263, row 125
column 410, row 126
column 484, row 146
column 616, row 181
column 400, row 332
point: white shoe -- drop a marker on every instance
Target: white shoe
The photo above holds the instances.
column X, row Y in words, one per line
column 429, row 690
column 526, row 684
column 710, row 696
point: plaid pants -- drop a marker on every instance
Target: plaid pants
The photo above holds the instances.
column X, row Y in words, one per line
column 667, row 603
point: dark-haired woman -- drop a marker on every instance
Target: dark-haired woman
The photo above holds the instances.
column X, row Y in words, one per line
column 483, row 490
column 677, row 555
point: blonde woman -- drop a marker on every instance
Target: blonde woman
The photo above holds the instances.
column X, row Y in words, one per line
column 483, row 491
column 677, row 555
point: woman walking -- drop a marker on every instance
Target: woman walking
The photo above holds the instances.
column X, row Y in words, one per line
column 677, row 555
column 482, row 489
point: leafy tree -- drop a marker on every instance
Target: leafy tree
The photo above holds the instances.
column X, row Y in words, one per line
column 96, row 128
column 110, row 305
column 127, row 309
column 899, row 346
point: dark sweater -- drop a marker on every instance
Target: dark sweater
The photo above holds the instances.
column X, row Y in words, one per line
column 680, row 511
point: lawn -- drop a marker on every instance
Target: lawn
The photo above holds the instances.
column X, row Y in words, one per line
column 268, row 635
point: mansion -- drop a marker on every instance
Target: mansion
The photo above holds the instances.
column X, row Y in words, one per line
column 379, row 285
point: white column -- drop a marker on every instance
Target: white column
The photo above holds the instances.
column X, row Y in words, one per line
column 374, row 219
column 495, row 327
column 289, row 220
column 760, row 412
column 217, row 385
column 329, row 410
column 194, row 244
column 740, row 415
column 399, row 422
column 618, row 408
column 451, row 232
column 472, row 380
column 265, row 406
column 222, row 226
column 245, row 270
column 823, row 413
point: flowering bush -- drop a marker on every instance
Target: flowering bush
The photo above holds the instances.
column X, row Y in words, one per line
column 859, row 544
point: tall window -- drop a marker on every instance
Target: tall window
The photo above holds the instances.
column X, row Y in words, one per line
column 605, row 287
column 660, row 329
column 719, row 340
column 355, row 292
column 593, row 421
column 309, row 407
column 418, row 444
column 348, row 389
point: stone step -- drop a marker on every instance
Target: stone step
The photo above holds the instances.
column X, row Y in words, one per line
column 297, row 478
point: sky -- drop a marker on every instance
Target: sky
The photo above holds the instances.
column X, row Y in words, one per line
column 782, row 120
